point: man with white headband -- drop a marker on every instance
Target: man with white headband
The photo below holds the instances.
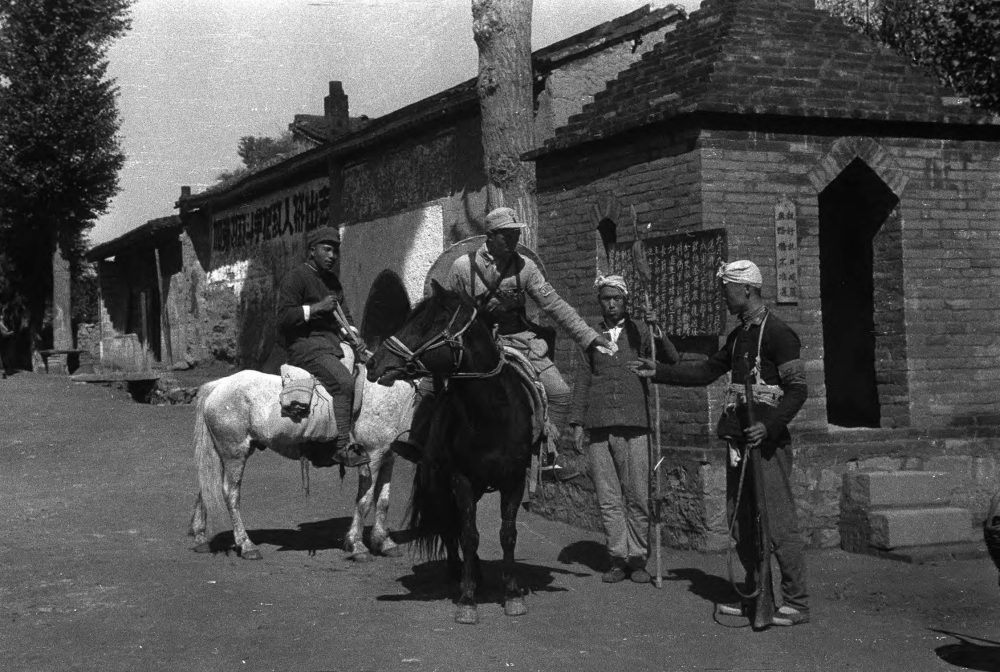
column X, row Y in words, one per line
column 612, row 405
column 768, row 350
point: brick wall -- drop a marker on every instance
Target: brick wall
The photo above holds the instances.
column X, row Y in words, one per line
column 936, row 287
column 936, row 292
column 664, row 191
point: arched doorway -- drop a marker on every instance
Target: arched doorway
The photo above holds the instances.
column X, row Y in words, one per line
column 852, row 210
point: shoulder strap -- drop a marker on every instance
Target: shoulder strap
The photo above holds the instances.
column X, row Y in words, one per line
column 491, row 289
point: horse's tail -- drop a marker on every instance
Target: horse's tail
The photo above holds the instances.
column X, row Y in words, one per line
column 433, row 513
column 207, row 459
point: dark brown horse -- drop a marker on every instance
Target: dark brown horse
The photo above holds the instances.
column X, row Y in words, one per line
column 480, row 438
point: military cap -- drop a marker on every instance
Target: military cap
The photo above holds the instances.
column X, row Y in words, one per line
column 324, row 234
column 502, row 218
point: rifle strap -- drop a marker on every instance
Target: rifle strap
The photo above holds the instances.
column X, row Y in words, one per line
column 760, row 340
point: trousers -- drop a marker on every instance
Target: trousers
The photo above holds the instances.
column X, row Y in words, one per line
column 338, row 381
column 786, row 542
column 619, row 467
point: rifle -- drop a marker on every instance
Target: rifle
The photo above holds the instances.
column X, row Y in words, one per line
column 653, row 450
column 763, row 613
column 363, row 354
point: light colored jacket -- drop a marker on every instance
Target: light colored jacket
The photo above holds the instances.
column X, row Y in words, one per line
column 521, row 280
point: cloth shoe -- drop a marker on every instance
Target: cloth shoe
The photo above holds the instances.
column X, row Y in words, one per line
column 788, row 616
column 352, row 455
column 615, row 574
column 408, row 450
column 640, row 575
column 737, row 609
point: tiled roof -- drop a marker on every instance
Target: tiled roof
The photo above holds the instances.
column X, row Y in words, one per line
column 767, row 57
column 316, row 128
column 150, row 232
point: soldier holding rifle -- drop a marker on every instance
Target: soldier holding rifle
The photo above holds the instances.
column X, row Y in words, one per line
column 767, row 349
column 313, row 321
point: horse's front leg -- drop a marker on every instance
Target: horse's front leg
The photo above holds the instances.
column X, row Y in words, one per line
column 354, row 543
column 466, row 501
column 233, row 479
column 381, row 541
column 510, row 501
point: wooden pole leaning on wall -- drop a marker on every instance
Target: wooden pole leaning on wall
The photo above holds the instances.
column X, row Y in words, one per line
column 161, row 282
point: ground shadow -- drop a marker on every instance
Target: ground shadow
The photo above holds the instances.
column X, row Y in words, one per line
column 971, row 653
column 715, row 589
column 588, row 553
column 430, row 581
column 311, row 537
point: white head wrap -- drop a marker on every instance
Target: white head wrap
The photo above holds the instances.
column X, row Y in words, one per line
column 741, row 272
column 616, row 281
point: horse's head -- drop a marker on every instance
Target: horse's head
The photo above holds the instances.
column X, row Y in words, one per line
column 443, row 336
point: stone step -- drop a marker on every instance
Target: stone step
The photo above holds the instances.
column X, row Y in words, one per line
column 919, row 555
column 866, row 490
column 892, row 528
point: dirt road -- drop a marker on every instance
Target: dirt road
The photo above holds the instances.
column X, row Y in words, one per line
column 98, row 575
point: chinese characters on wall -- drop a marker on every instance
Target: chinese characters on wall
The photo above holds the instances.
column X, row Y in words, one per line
column 684, row 291
column 285, row 214
column 786, row 252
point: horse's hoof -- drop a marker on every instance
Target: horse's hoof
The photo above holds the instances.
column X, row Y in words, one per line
column 203, row 547
column 252, row 554
column 515, row 606
column 466, row 615
column 361, row 557
column 392, row 551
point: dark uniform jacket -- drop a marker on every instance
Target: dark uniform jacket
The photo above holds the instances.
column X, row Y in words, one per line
column 780, row 365
column 304, row 285
column 605, row 392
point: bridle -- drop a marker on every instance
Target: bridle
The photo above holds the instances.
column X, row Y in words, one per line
column 414, row 367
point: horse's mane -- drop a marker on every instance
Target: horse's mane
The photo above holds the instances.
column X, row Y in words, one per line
column 428, row 310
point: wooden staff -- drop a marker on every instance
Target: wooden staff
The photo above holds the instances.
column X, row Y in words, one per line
column 763, row 614
column 653, row 454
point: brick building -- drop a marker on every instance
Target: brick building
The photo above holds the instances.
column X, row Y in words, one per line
column 867, row 193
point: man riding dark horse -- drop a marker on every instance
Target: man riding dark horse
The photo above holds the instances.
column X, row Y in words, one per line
column 499, row 281
column 309, row 300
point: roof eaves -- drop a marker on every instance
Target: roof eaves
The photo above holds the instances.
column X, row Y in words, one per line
column 151, row 231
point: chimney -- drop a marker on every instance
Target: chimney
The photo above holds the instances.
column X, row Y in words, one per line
column 335, row 109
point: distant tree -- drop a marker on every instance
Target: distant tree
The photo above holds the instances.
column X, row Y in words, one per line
column 956, row 39
column 59, row 150
column 256, row 152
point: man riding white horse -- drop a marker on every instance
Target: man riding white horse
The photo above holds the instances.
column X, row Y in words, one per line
column 309, row 300
column 500, row 281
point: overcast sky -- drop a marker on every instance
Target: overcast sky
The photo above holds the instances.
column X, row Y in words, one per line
column 196, row 75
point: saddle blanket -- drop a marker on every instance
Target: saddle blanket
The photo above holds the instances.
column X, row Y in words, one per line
column 305, row 408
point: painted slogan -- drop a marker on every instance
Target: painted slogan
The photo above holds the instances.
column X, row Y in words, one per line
column 281, row 215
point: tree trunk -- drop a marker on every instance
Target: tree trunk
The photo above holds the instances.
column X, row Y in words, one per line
column 502, row 30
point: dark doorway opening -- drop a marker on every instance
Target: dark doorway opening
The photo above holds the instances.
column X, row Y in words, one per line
column 852, row 209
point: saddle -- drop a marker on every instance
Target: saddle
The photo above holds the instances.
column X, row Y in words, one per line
column 543, row 433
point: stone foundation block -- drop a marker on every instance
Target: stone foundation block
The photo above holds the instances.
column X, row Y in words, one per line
column 893, row 528
column 887, row 489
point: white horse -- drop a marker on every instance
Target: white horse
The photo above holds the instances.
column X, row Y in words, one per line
column 239, row 414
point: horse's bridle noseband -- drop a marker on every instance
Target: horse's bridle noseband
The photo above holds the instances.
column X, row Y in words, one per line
column 414, row 367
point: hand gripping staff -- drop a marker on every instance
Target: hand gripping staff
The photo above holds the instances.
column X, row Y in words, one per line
column 763, row 613
column 655, row 520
